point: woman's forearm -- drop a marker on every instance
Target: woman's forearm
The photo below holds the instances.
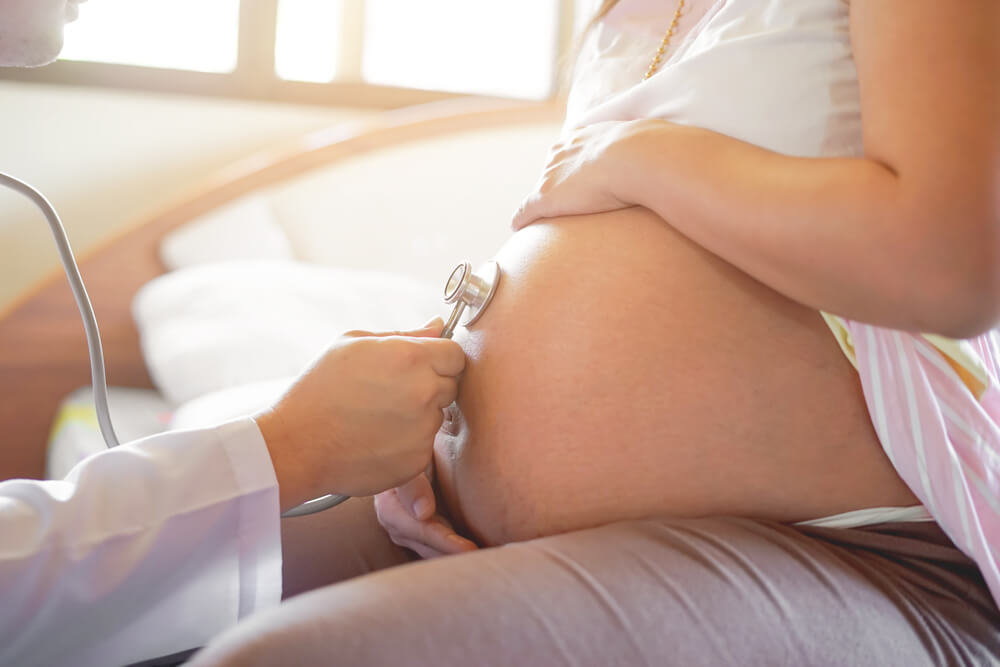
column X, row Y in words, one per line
column 849, row 236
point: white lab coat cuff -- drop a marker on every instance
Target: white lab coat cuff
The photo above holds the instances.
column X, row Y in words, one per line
column 260, row 517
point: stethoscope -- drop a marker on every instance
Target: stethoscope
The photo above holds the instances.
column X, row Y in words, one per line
column 470, row 293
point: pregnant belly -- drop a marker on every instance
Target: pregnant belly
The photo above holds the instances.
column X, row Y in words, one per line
column 623, row 372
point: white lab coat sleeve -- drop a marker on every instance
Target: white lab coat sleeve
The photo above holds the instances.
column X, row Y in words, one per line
column 145, row 550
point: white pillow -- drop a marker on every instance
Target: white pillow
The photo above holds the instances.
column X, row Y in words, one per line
column 243, row 229
column 228, row 404
column 220, row 325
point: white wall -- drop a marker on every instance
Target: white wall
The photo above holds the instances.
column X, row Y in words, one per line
column 106, row 158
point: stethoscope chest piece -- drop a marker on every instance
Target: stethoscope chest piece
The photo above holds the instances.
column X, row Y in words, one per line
column 470, row 292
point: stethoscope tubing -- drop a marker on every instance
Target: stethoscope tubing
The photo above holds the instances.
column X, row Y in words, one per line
column 98, row 374
column 457, row 293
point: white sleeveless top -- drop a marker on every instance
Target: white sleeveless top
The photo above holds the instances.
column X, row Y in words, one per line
column 775, row 73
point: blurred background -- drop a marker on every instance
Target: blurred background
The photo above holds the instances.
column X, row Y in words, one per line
column 152, row 96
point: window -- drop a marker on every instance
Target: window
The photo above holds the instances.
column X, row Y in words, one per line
column 349, row 52
column 149, row 32
column 306, row 44
column 506, row 48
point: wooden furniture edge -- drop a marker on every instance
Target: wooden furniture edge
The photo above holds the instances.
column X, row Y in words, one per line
column 43, row 353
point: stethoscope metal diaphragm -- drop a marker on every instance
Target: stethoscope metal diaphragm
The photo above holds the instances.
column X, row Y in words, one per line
column 470, row 292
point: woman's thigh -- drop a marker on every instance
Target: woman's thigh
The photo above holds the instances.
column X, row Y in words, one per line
column 338, row 544
column 655, row 592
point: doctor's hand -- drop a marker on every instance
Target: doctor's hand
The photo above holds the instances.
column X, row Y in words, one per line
column 582, row 169
column 363, row 417
column 408, row 515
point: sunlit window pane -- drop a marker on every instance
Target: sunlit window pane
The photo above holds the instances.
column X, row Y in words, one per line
column 470, row 46
column 199, row 35
column 306, row 46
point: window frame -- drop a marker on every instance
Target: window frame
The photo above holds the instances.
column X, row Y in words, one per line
column 255, row 78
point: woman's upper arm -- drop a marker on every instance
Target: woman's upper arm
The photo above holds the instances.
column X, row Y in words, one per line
column 930, row 85
column 929, row 74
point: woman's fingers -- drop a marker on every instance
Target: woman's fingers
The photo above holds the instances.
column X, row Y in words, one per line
column 577, row 178
column 417, row 496
column 438, row 534
column 425, row 552
column 529, row 211
column 391, row 515
column 435, row 539
column 429, row 538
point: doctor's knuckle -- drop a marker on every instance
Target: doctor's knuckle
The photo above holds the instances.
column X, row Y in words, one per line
column 424, row 389
column 363, row 347
column 416, row 395
column 405, row 355
column 427, row 391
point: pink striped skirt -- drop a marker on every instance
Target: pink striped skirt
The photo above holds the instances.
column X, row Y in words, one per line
column 942, row 439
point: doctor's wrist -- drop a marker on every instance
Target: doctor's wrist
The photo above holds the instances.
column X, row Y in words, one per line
column 291, row 471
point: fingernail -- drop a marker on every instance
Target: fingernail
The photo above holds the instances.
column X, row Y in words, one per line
column 433, row 323
column 460, row 542
column 421, row 508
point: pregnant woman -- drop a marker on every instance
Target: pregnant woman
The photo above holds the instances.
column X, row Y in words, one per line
column 675, row 345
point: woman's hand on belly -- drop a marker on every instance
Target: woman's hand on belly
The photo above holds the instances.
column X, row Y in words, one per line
column 577, row 179
column 409, row 515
